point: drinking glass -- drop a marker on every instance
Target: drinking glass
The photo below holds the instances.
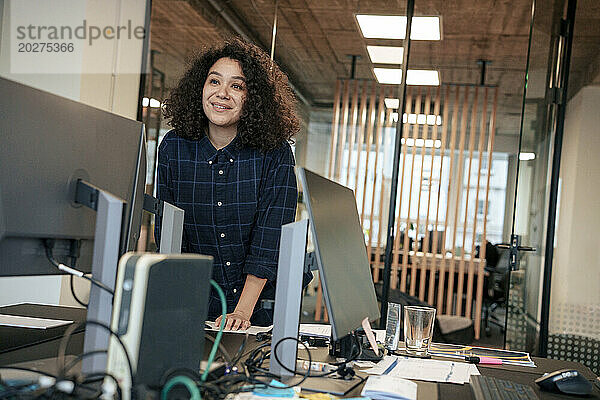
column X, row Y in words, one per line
column 418, row 329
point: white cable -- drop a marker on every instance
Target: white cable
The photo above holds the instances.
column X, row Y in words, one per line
column 46, row 381
column 65, row 386
column 70, row 270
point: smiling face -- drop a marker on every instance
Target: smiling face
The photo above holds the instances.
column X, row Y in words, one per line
column 224, row 94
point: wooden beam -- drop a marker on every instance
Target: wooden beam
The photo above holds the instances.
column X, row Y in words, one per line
column 370, row 122
column 406, row 245
column 490, row 150
column 342, row 143
column 434, row 137
column 352, row 131
column 335, row 123
column 380, row 116
column 395, row 262
column 440, row 298
column 470, row 278
column 461, row 265
column 423, row 266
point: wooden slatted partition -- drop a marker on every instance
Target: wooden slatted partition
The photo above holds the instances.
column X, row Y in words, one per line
column 447, row 138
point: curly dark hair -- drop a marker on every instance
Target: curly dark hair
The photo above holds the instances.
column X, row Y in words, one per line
column 268, row 115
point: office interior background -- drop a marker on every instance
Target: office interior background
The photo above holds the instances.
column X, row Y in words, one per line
column 499, row 139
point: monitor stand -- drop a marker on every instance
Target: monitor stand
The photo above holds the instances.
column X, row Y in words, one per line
column 288, row 297
column 107, row 237
column 171, row 228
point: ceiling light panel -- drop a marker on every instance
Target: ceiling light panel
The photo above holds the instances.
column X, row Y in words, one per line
column 393, row 76
column 391, row 103
column 423, row 77
column 394, row 27
column 385, row 54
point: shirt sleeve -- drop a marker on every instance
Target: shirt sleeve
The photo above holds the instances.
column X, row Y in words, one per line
column 276, row 207
column 164, row 189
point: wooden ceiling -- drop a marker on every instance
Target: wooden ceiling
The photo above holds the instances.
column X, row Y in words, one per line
column 315, row 39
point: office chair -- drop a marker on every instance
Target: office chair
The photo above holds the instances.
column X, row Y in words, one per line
column 494, row 286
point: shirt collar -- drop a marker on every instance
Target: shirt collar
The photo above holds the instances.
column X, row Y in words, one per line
column 208, row 152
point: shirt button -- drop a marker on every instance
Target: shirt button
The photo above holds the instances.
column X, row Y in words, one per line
column 228, row 263
column 220, row 172
column 234, row 290
column 210, row 162
column 219, row 203
column 231, row 160
column 222, row 235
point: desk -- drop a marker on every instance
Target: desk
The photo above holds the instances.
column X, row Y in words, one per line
column 24, row 344
column 426, row 390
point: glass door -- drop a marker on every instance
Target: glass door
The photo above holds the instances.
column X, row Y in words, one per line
column 535, row 188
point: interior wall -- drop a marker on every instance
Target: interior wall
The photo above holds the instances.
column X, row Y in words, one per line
column 575, row 293
column 111, row 90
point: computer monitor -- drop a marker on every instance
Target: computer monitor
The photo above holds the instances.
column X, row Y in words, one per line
column 48, row 142
column 340, row 253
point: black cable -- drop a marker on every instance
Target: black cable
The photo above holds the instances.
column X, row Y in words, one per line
column 65, row 340
column 29, row 370
column 341, row 365
column 105, row 374
column 74, row 294
column 79, row 358
column 221, row 347
column 49, row 244
column 304, row 377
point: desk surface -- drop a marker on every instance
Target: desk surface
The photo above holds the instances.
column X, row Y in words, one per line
column 426, row 390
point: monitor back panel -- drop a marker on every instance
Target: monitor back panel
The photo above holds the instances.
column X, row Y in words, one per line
column 341, row 253
column 47, row 143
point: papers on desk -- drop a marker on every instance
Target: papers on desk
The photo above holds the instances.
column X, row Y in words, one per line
column 389, row 387
column 324, row 331
column 316, row 330
column 458, row 351
column 424, row 369
column 383, row 367
column 18, row 321
column 253, row 330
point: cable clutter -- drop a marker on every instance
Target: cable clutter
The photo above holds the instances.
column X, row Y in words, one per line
column 243, row 372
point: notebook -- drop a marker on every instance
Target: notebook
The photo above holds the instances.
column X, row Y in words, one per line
column 384, row 387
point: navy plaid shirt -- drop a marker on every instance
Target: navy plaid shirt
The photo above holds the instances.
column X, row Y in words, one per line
column 235, row 202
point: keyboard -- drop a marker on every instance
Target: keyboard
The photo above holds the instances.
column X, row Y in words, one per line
column 487, row 388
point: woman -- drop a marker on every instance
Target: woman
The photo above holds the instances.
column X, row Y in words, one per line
column 229, row 165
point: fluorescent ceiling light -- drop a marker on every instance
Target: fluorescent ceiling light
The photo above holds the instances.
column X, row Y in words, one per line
column 420, row 119
column 415, row 76
column 388, row 75
column 394, row 27
column 154, row 103
column 385, row 54
column 392, row 103
column 422, row 77
column 145, row 101
column 526, row 156
column 410, row 142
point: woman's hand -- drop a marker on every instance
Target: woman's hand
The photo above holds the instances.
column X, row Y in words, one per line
column 234, row 321
column 240, row 317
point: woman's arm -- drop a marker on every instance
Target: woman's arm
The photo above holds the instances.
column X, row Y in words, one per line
column 240, row 317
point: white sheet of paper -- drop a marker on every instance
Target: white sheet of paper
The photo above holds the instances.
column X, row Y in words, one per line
column 319, row 330
column 253, row 330
column 389, row 387
column 433, row 370
column 381, row 366
column 29, row 322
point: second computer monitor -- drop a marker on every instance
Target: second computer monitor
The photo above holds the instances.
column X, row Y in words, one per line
column 341, row 253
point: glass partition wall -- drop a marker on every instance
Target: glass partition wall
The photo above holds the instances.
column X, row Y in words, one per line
column 474, row 150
